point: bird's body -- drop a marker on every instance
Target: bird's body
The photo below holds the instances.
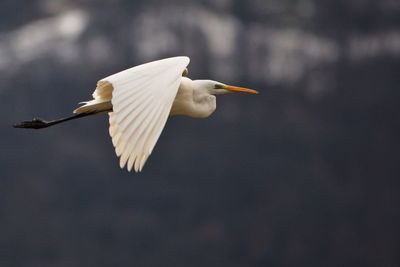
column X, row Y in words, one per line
column 189, row 101
column 140, row 100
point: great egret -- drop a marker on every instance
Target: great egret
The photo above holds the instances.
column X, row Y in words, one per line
column 139, row 101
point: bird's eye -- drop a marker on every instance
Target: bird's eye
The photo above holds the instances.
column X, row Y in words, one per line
column 219, row 86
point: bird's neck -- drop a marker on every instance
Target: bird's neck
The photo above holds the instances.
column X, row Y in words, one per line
column 192, row 101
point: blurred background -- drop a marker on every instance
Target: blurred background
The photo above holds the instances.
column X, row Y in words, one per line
column 304, row 174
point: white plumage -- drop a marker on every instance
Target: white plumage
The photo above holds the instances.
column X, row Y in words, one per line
column 139, row 101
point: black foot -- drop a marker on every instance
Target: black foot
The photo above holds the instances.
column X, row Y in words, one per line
column 36, row 123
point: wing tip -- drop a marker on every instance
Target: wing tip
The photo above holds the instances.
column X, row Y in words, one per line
column 184, row 59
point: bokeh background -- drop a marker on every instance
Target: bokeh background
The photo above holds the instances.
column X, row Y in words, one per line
column 304, row 174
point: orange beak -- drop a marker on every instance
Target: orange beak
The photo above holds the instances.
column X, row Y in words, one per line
column 236, row 89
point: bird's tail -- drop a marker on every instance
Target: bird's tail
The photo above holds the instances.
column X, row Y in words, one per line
column 38, row 123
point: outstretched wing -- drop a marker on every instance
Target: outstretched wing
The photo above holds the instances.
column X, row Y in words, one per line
column 141, row 99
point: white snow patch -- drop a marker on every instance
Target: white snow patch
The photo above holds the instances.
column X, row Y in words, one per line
column 368, row 46
column 285, row 56
column 56, row 35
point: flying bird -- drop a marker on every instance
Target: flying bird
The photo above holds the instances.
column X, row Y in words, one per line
column 139, row 101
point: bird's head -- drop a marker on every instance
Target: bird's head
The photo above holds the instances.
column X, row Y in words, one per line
column 218, row 88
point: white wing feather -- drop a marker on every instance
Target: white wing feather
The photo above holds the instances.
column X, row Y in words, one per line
column 141, row 99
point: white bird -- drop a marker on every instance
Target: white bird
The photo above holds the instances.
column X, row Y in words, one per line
column 139, row 101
